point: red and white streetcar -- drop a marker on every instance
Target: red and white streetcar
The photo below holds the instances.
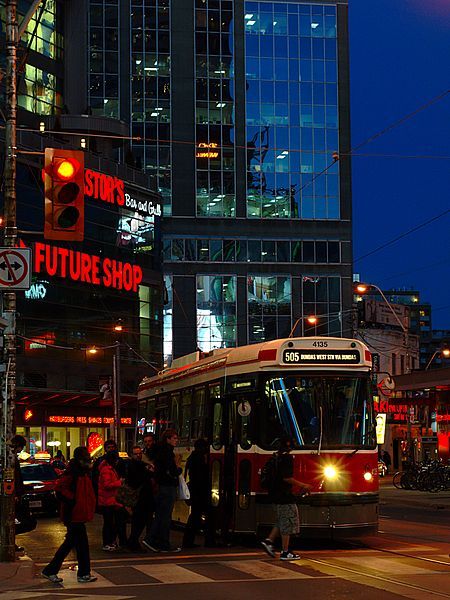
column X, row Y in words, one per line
column 243, row 400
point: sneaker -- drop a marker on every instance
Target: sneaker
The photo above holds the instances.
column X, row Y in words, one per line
column 52, row 578
column 289, row 556
column 109, row 548
column 150, row 546
column 86, row 579
column 171, row 549
column 268, row 547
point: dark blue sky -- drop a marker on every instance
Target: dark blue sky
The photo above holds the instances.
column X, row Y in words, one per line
column 399, row 60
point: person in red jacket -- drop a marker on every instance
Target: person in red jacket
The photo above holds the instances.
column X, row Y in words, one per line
column 114, row 515
column 75, row 491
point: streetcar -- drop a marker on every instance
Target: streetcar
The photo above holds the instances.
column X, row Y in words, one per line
column 317, row 390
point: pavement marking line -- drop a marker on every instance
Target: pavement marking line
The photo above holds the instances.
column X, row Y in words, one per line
column 70, row 580
column 170, row 573
column 415, row 592
column 264, row 570
column 159, row 557
column 386, row 566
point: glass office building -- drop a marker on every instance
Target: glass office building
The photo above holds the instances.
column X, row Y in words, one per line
column 238, row 108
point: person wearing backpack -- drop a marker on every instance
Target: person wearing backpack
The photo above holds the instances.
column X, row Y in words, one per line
column 74, row 490
column 278, row 477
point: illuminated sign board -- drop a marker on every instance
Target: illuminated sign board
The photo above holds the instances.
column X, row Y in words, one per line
column 320, row 357
column 86, row 268
column 395, row 412
column 380, row 427
column 112, row 190
column 207, row 150
column 73, row 420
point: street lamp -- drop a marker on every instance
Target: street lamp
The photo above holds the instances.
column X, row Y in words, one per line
column 116, row 386
column 445, row 352
column 362, row 288
column 311, row 319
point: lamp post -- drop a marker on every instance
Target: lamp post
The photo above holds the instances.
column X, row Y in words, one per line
column 312, row 320
column 362, row 288
column 445, row 352
column 115, row 385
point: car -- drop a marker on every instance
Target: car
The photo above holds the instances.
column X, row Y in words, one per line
column 40, row 480
column 382, row 468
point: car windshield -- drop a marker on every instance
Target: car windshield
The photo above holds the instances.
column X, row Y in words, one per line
column 325, row 411
column 38, row 473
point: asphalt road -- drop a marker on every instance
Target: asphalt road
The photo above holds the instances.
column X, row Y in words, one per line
column 409, row 558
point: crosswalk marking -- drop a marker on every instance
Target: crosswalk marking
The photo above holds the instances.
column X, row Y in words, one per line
column 265, row 570
column 170, row 573
column 70, row 580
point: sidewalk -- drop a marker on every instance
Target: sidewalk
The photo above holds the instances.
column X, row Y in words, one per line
column 18, row 574
column 390, row 495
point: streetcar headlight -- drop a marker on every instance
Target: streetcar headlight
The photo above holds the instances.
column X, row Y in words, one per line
column 330, row 472
column 368, row 476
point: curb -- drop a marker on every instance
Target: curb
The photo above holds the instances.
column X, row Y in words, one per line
column 20, row 573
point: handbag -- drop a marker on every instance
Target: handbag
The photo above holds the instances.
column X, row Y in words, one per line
column 128, row 496
column 183, row 490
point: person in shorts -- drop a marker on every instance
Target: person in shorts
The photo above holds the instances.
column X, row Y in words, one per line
column 287, row 517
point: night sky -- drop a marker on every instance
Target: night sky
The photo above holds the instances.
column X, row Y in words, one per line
column 399, row 61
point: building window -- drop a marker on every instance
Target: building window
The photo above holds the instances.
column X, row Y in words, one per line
column 269, row 307
column 291, row 110
column 214, row 110
column 151, row 92
column 321, row 297
column 216, row 311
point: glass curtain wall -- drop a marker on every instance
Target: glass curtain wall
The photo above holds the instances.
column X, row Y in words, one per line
column 216, row 311
column 291, row 110
column 39, row 91
column 269, row 307
column 150, row 91
column 322, row 298
column 104, row 58
column 215, row 142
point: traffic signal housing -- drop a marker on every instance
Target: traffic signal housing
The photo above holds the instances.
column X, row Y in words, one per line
column 64, row 195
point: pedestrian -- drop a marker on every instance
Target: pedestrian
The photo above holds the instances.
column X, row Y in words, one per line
column 59, row 462
column 18, row 443
column 139, row 477
column 197, row 473
column 386, row 458
column 114, row 514
column 108, row 445
column 280, row 494
column 75, row 491
column 167, row 471
column 149, row 446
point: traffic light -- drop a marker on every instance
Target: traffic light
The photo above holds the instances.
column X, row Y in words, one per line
column 64, row 195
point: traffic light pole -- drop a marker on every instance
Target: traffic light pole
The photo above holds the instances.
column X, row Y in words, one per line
column 7, row 497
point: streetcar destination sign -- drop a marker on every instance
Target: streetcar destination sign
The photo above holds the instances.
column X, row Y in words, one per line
column 321, row 357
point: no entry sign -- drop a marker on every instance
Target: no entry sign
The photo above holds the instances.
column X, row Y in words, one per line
column 15, row 268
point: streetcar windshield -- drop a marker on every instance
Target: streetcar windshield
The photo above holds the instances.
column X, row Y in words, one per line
column 330, row 412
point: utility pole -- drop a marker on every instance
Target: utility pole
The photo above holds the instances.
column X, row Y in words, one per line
column 116, row 393
column 7, row 496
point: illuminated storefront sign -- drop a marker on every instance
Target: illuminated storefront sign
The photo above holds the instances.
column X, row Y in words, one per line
column 206, row 150
column 86, row 268
column 380, row 427
column 37, row 291
column 112, row 190
column 396, row 412
column 74, row 420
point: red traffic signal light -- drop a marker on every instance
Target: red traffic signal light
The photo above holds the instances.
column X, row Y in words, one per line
column 64, row 195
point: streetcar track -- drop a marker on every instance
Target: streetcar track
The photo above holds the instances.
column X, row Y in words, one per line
column 378, row 577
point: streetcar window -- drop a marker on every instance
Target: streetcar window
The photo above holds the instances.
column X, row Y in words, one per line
column 185, row 425
column 198, row 413
column 217, row 426
column 331, row 411
column 175, row 411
